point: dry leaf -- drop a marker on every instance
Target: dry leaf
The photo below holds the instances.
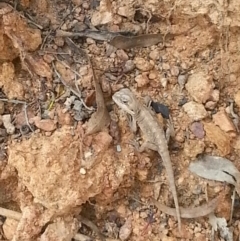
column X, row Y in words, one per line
column 123, row 42
column 218, row 137
column 215, row 168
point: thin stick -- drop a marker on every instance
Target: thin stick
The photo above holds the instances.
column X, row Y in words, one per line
column 10, row 214
column 26, row 117
column 14, row 101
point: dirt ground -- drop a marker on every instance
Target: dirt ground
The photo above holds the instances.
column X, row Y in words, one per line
column 59, row 183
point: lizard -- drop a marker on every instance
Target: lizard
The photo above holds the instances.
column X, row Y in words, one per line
column 100, row 118
column 152, row 131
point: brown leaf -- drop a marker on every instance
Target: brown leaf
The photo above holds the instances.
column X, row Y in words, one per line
column 123, row 42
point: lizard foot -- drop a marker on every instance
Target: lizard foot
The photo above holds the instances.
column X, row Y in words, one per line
column 135, row 144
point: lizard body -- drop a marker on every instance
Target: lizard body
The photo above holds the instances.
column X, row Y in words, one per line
column 153, row 133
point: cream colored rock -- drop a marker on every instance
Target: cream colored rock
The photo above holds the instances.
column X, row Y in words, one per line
column 7, row 123
column 143, row 64
column 126, row 11
column 200, row 87
column 195, row 110
column 103, row 15
column 154, row 54
column 142, row 80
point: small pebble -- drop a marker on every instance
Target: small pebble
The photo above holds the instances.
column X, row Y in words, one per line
column 215, row 95
column 164, row 82
column 210, row 105
column 59, row 41
column 10, row 128
column 182, row 80
column 85, row 5
column 83, row 171
column 122, row 54
column 143, row 64
column 154, row 54
column 142, row 80
column 129, row 66
column 77, row 105
column 118, row 147
column 197, row 129
column 152, row 75
column 200, row 87
column 174, row 71
column 126, row 11
column 165, row 66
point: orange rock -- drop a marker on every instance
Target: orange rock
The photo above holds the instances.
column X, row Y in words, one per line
column 218, row 137
column 45, row 124
column 222, row 120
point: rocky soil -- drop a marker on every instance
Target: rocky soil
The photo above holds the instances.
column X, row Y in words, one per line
column 57, row 182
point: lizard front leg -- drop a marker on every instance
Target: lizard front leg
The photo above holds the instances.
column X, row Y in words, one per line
column 146, row 145
column 132, row 123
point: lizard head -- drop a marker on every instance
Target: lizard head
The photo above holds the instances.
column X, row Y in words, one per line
column 126, row 100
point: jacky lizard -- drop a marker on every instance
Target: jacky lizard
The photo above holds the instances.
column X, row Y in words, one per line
column 153, row 132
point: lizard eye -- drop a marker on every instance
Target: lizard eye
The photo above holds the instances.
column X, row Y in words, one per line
column 125, row 101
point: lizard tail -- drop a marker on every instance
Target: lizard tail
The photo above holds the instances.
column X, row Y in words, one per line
column 168, row 165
